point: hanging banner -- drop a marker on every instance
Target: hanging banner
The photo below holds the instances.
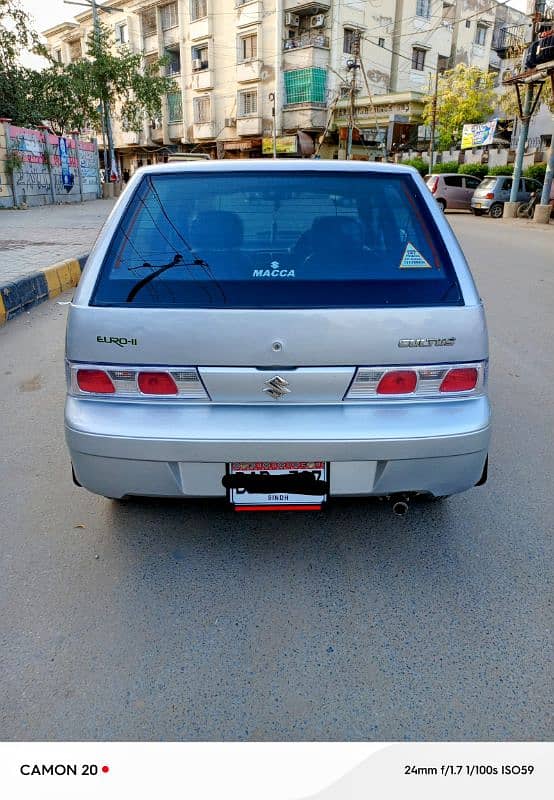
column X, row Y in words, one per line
column 478, row 135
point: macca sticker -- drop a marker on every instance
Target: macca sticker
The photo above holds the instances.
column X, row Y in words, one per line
column 412, row 259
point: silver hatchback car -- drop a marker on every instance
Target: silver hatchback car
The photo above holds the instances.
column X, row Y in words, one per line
column 277, row 333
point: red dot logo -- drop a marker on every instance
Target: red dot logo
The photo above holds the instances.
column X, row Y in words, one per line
column 105, row 769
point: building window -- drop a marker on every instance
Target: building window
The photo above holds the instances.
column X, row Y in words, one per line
column 418, row 58
column 201, row 110
column 122, row 33
column 423, row 8
column 381, row 42
column 173, row 66
column 305, row 85
column 170, row 16
column 200, row 57
column 348, row 40
column 149, row 62
column 248, row 103
column 58, row 56
column 468, row 23
column 75, row 50
column 175, row 106
column 480, row 34
column 248, row 47
column 149, row 25
column 198, row 9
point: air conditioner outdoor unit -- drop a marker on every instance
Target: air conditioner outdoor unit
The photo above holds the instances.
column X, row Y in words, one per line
column 318, row 21
column 230, row 122
column 197, row 63
column 292, row 20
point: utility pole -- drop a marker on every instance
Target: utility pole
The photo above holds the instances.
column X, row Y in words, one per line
column 434, row 120
column 526, row 111
column 352, row 65
column 104, row 101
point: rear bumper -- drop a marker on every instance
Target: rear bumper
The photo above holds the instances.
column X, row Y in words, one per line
column 481, row 203
column 174, row 450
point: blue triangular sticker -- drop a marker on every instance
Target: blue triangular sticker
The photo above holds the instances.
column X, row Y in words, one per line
column 412, row 259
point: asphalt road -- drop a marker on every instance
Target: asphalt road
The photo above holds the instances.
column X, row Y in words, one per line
column 170, row 621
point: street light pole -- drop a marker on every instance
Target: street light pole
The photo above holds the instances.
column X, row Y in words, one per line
column 274, row 130
column 434, row 120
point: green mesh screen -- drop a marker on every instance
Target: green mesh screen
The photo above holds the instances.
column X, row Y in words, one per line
column 305, row 85
column 175, row 106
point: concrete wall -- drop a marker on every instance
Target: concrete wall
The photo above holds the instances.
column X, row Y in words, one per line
column 54, row 169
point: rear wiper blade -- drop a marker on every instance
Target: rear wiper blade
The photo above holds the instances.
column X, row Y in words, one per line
column 175, row 262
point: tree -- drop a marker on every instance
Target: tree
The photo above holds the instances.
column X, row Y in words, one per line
column 465, row 95
column 72, row 96
column 16, row 34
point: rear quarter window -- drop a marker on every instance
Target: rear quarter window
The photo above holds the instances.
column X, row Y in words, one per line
column 272, row 239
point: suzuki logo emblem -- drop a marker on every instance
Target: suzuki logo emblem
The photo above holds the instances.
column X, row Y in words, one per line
column 276, row 387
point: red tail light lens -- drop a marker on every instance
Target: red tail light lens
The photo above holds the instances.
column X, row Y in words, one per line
column 489, row 196
column 156, row 383
column 460, row 380
column 435, row 185
column 399, row 382
column 94, row 380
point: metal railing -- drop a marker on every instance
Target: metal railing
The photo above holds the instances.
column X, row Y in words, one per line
column 306, row 40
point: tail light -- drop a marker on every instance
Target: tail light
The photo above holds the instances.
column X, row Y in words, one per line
column 433, row 381
column 398, row 382
column 94, row 381
column 489, row 196
column 435, row 186
column 127, row 382
column 463, row 379
column 156, row 383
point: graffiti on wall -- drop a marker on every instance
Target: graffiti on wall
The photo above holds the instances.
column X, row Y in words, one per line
column 50, row 166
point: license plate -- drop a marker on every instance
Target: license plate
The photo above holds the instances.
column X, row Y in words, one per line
column 270, row 485
column 477, row 205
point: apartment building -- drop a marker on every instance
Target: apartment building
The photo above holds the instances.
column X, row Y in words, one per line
column 244, row 69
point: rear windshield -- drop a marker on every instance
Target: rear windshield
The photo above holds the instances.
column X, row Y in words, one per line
column 488, row 183
column 276, row 240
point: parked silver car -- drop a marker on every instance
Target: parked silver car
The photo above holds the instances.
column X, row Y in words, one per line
column 452, row 190
column 277, row 333
column 494, row 191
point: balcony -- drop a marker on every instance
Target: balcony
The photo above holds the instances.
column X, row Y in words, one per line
column 249, row 13
column 249, row 126
column 306, row 116
column 308, row 50
column 151, row 43
column 307, row 9
column 204, row 130
column 200, row 28
column 202, row 79
column 249, row 70
column 171, row 36
column 509, row 41
column 175, row 131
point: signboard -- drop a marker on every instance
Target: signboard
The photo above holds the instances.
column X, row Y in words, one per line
column 478, row 135
column 285, row 145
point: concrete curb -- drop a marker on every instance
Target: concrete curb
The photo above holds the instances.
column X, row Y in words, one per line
column 30, row 290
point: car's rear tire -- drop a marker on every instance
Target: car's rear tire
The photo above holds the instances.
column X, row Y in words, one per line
column 442, row 204
column 496, row 210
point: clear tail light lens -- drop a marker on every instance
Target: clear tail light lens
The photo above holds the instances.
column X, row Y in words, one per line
column 156, row 383
column 432, row 381
column 399, row 382
column 460, row 380
column 133, row 382
column 94, row 381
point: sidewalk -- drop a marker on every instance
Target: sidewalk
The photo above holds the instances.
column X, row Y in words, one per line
column 34, row 239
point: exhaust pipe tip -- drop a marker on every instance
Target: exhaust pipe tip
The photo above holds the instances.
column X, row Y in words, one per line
column 400, row 508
